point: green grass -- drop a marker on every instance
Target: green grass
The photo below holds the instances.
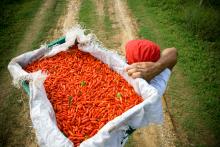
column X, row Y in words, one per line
column 89, row 18
column 87, row 14
column 198, row 112
column 15, row 16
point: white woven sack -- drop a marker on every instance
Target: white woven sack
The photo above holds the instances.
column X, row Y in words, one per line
column 115, row 132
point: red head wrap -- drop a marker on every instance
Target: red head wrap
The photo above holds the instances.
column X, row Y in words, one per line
column 142, row 51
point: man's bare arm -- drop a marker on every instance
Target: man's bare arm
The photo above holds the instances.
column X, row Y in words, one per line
column 168, row 59
column 148, row 70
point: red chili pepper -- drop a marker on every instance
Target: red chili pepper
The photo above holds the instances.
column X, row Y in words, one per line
column 85, row 93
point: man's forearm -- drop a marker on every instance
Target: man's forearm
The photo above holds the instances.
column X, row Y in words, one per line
column 148, row 70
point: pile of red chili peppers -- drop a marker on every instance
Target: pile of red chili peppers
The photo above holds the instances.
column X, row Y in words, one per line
column 85, row 93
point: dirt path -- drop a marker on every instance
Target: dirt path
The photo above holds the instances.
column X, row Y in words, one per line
column 100, row 9
column 128, row 27
column 67, row 21
column 99, row 4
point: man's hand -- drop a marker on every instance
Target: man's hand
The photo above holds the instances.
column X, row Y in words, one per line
column 146, row 70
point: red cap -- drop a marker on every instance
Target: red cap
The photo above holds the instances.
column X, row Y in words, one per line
column 142, row 51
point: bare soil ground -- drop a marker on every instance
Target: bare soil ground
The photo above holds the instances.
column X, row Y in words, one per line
column 66, row 21
column 128, row 26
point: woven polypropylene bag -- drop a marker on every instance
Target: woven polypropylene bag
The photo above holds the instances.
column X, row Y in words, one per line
column 42, row 114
